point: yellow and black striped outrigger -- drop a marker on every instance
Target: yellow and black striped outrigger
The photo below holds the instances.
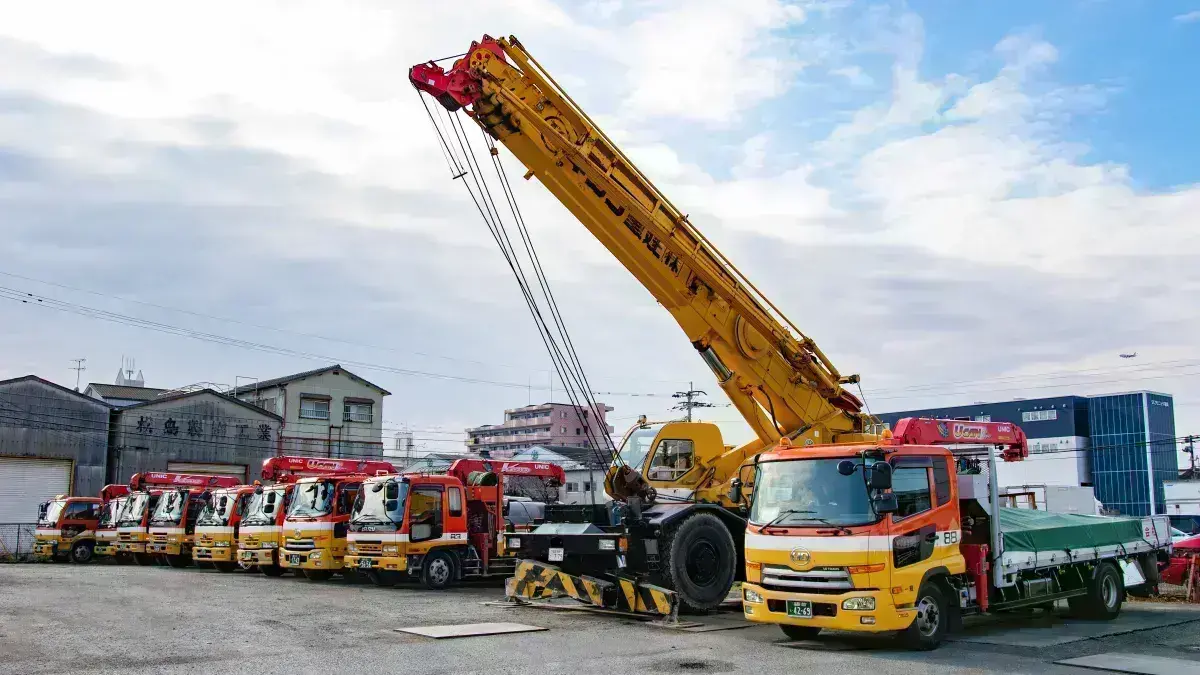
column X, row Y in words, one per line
column 535, row 580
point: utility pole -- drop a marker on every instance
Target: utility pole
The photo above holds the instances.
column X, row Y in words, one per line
column 79, row 368
column 690, row 400
column 1190, row 449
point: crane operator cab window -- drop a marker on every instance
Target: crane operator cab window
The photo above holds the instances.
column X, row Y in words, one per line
column 674, row 459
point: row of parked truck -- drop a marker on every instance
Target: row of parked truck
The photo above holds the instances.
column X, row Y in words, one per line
column 315, row 516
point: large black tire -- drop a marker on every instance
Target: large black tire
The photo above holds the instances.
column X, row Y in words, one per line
column 145, row 559
column 932, row 622
column 272, row 570
column 437, row 571
column 383, row 578
column 1106, row 594
column 799, row 632
column 699, row 560
column 318, row 575
column 81, row 551
column 178, row 561
column 225, row 566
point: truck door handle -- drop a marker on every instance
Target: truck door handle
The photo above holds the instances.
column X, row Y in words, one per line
column 931, row 537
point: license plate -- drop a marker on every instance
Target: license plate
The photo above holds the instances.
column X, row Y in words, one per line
column 364, row 563
column 247, row 555
column 293, row 560
column 801, row 609
column 556, row 555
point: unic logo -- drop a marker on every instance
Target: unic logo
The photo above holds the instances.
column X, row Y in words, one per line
column 971, row 432
column 324, row 465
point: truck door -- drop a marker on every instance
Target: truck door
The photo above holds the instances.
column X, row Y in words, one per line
column 924, row 530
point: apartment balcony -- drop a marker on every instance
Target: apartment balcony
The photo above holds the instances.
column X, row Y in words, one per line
column 541, row 437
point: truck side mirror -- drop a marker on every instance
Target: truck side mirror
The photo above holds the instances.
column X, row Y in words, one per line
column 735, row 490
column 846, row 467
column 393, row 491
column 885, row 503
column 390, row 505
column 881, row 476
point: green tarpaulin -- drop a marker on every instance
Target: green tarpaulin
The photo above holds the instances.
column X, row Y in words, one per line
column 1028, row 530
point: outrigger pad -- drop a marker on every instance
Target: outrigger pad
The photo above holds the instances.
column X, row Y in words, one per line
column 533, row 579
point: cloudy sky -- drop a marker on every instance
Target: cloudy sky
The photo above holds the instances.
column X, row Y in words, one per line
column 960, row 203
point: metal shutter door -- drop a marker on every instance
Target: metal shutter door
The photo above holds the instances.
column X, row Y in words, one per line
column 26, row 482
column 236, row 470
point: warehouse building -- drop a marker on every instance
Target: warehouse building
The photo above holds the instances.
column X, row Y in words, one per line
column 1122, row 445
column 52, row 441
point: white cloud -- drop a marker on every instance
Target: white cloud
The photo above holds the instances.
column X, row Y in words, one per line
column 1188, row 17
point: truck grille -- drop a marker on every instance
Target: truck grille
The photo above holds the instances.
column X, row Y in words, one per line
column 125, row 536
column 369, row 547
column 819, row 580
column 206, row 540
column 250, row 541
column 299, row 544
column 158, row 538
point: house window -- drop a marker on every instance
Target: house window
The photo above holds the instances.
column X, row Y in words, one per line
column 314, row 408
column 357, row 411
column 562, row 415
column 572, row 487
column 267, row 404
column 562, row 430
column 587, row 487
column 576, row 431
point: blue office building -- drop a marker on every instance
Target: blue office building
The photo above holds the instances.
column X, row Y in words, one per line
column 1123, row 445
column 1133, row 450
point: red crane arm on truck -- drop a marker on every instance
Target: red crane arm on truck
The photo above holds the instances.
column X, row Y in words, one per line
column 462, row 468
column 291, row 467
column 110, row 492
column 1009, row 437
column 142, row 481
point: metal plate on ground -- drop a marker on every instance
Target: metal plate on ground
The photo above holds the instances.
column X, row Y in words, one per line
column 1135, row 663
column 469, row 630
column 1050, row 631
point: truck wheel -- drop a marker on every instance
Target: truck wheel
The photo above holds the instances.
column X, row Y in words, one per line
column 225, row 566
column 178, row 561
column 383, row 578
column 1106, row 593
column 143, row 559
column 318, row 575
column 438, row 570
column 272, row 570
column 700, row 560
column 799, row 632
column 928, row 629
column 81, row 552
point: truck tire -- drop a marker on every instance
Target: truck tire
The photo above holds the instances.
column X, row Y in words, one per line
column 318, row 575
column 699, row 560
column 81, row 551
column 225, row 566
column 272, row 570
column 1106, row 594
column 383, row 578
column 437, row 570
column 799, row 632
column 932, row 622
column 144, row 559
column 178, row 561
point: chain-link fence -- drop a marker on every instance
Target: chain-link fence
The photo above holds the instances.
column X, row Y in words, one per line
column 16, row 542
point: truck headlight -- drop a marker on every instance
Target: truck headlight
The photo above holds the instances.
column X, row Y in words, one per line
column 859, row 604
column 608, row 544
column 221, row 544
column 751, row 595
column 270, row 544
column 351, row 548
column 390, row 549
column 512, row 542
column 315, row 555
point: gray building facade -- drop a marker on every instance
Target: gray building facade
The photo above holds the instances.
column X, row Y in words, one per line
column 196, row 432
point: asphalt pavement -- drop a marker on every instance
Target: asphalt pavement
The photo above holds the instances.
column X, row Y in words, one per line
column 58, row 618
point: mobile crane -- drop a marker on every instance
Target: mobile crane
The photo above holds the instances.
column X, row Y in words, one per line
column 683, row 534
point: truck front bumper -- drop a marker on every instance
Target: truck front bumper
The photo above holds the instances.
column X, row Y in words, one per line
column 257, row 556
column 827, row 611
column 375, row 562
column 131, row 547
column 212, row 554
column 105, row 548
column 316, row 559
column 165, row 549
column 45, row 548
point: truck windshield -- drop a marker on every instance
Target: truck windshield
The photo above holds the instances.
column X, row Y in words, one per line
column 48, row 516
column 633, row 451
column 262, row 507
column 218, row 510
column 809, row 493
column 135, row 510
column 310, row 500
column 170, row 508
column 111, row 512
column 371, row 506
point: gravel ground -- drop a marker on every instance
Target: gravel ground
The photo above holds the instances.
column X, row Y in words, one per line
column 109, row 618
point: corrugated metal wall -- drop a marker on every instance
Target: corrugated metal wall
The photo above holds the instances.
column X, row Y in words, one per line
column 42, row 420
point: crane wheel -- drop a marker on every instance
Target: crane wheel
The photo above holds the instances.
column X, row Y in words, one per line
column 700, row 561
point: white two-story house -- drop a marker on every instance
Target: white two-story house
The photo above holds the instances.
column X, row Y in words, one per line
column 327, row 412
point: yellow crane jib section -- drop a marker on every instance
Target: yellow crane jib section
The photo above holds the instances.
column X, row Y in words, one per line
column 776, row 377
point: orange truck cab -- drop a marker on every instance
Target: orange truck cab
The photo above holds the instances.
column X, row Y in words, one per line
column 172, row 522
column 113, row 499
column 318, row 514
column 66, row 528
column 216, row 534
column 438, row 528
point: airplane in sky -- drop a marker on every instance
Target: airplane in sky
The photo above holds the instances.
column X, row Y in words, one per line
column 1128, row 356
